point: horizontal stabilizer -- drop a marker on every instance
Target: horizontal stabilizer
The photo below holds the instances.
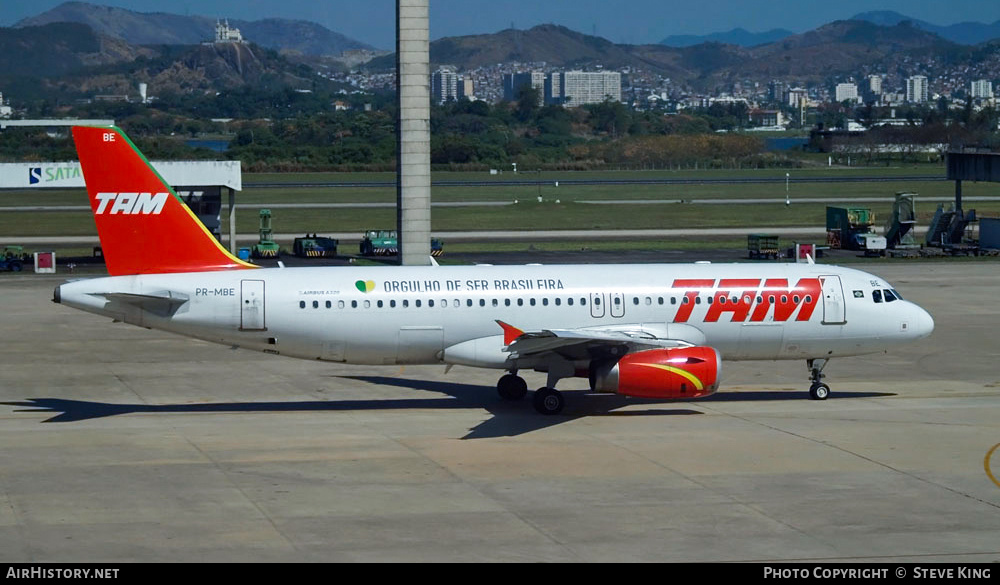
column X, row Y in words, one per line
column 163, row 304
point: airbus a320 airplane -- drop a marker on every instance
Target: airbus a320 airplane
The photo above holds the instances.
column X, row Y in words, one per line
column 651, row 331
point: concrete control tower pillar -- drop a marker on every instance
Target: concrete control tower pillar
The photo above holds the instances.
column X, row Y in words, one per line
column 413, row 132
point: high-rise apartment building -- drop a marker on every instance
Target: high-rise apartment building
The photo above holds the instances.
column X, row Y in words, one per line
column 797, row 97
column 776, row 91
column 553, row 88
column 846, row 91
column 466, row 89
column 982, row 88
column 871, row 89
column 916, row 89
column 873, row 85
column 513, row 82
column 585, row 87
column 444, row 85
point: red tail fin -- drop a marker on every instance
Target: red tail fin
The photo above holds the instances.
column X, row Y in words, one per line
column 145, row 228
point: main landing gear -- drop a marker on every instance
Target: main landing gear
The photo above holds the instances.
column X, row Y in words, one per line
column 818, row 390
column 512, row 387
column 547, row 400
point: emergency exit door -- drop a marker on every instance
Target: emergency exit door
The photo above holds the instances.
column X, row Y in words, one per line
column 617, row 304
column 596, row 305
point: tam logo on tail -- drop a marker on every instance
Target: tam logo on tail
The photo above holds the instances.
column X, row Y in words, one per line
column 139, row 217
column 129, row 203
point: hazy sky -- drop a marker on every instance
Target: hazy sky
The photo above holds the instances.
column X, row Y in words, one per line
column 634, row 21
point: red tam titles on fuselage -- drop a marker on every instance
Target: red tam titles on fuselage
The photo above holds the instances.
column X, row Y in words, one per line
column 737, row 296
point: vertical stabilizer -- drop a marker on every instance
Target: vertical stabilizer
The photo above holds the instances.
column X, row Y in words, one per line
column 144, row 227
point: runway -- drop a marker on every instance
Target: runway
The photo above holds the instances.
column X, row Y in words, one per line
column 128, row 445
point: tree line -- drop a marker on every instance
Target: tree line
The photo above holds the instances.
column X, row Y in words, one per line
column 284, row 129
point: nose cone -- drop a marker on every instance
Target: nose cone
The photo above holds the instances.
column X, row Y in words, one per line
column 923, row 323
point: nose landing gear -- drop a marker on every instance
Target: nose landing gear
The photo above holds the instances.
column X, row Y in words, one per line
column 818, row 390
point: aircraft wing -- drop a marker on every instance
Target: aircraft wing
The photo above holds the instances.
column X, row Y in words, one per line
column 587, row 343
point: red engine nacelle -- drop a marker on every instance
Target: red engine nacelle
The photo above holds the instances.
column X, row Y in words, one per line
column 688, row 372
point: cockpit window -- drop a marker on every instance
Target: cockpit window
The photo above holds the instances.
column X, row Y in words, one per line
column 877, row 296
column 897, row 295
column 889, row 297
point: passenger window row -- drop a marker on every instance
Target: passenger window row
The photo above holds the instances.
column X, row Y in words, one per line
column 545, row 301
column 748, row 299
column 418, row 303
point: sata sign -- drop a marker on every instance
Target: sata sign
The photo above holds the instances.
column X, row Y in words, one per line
column 39, row 175
column 55, row 175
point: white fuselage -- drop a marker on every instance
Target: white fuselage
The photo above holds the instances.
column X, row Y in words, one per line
column 442, row 314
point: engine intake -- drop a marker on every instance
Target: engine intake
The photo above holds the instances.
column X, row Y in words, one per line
column 689, row 372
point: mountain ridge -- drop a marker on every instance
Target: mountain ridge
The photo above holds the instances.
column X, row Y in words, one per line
column 844, row 48
column 737, row 36
column 837, row 50
column 162, row 28
column 964, row 33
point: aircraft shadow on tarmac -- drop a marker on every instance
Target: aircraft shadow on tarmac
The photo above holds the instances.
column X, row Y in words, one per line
column 509, row 418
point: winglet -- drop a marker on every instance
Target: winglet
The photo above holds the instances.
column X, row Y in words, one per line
column 145, row 228
column 510, row 333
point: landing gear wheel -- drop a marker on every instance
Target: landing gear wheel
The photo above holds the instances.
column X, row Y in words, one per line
column 512, row 387
column 819, row 391
column 549, row 401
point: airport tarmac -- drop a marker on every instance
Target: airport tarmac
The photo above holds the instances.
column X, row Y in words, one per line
column 127, row 445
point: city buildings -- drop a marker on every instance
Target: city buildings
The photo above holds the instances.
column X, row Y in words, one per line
column 513, row 82
column 569, row 88
column 797, row 97
column 799, row 100
column 447, row 85
column 871, row 89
